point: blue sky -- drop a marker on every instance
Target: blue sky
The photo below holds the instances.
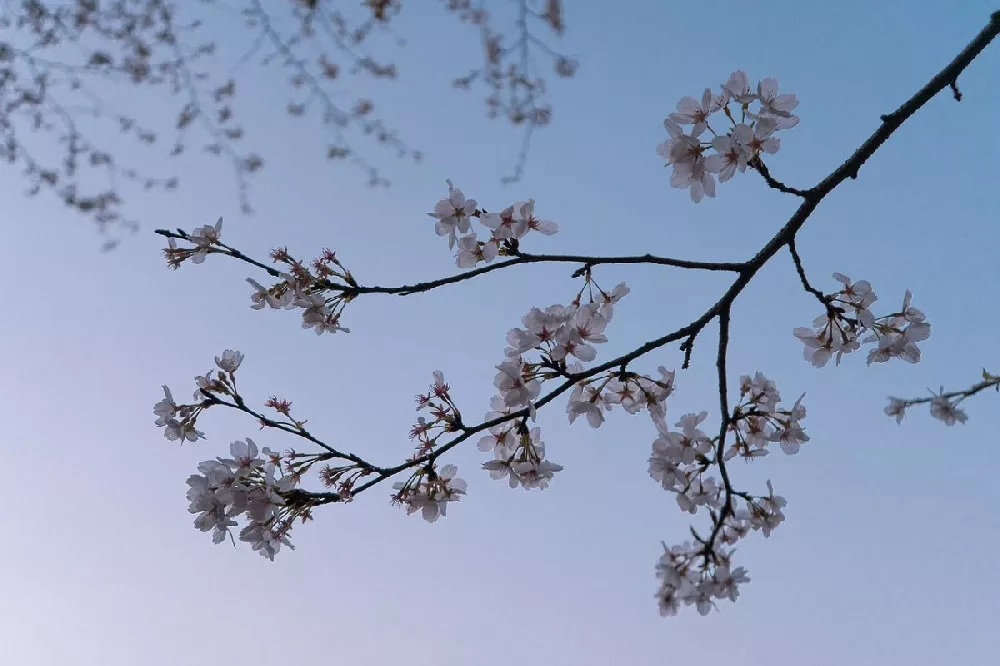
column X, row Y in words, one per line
column 886, row 554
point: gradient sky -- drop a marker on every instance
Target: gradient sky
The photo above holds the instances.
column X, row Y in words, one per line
column 887, row 554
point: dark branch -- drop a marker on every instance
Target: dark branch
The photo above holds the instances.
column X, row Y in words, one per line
column 758, row 165
column 820, row 296
column 521, row 258
column 238, row 404
column 724, row 417
column 989, row 381
column 891, row 122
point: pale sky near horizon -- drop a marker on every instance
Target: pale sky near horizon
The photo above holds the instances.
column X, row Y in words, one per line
column 887, row 553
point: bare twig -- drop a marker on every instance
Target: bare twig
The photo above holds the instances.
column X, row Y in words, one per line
column 758, row 165
column 831, row 309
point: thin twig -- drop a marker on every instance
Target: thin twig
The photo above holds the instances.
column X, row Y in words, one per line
column 724, row 417
column 758, row 165
column 521, row 258
column 239, row 405
column 831, row 309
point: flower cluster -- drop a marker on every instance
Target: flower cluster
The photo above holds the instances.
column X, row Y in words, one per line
column 255, row 483
column 179, row 421
column 204, row 239
column 518, row 453
column 454, row 220
column 320, row 289
column 849, row 323
column 682, row 581
column 742, row 144
column 561, row 331
column 445, row 416
column 593, row 397
column 698, row 572
column 758, row 420
column 429, row 491
column 562, row 335
column 227, row 488
column 695, row 573
column 309, row 288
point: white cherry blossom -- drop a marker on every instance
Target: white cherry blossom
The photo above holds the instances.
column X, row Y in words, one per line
column 204, row 238
column 692, row 112
column 229, row 361
column 947, row 412
column 774, row 104
column 896, row 408
column 452, row 214
column 517, row 391
column 165, row 409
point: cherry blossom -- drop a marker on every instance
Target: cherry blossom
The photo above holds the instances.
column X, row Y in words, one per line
column 692, row 112
column 774, row 104
column 165, row 408
column 517, row 389
column 225, row 489
column 758, row 138
column 506, row 224
column 749, row 137
column 431, row 495
column 695, row 175
column 587, row 401
column 523, row 463
column 946, row 411
column 738, row 87
column 452, row 214
column 229, row 361
column 263, row 296
column 849, row 318
column 535, row 473
column 245, row 457
column 544, row 227
column 471, row 251
column 896, row 408
column 734, row 156
column 609, row 299
column 455, row 215
column 204, row 238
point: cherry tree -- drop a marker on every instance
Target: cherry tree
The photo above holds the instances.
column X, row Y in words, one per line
column 65, row 66
column 257, row 495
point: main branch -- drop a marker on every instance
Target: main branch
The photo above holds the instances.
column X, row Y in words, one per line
column 746, row 271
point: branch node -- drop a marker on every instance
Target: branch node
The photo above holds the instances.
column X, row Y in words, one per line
column 955, row 91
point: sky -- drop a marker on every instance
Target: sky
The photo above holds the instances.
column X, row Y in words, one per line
column 887, row 553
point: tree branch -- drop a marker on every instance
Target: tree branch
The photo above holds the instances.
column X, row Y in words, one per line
column 722, row 308
column 520, row 258
column 758, row 165
column 240, row 405
column 820, row 296
column 724, row 418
